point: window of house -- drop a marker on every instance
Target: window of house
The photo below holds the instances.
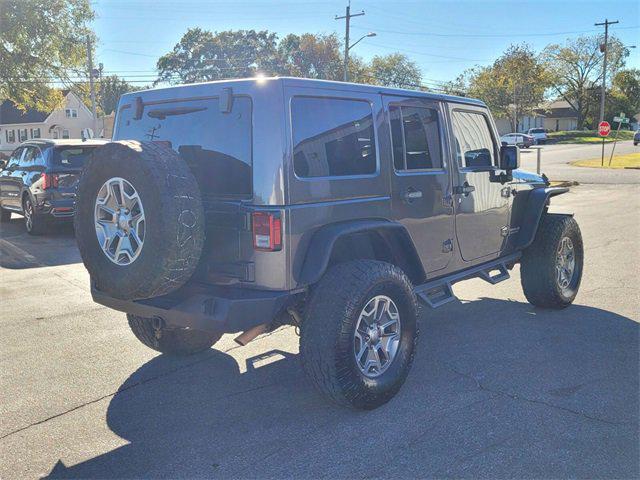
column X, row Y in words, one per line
column 332, row 137
column 474, row 143
column 71, row 112
column 35, row 133
column 22, row 134
column 416, row 138
column 65, row 133
column 10, row 135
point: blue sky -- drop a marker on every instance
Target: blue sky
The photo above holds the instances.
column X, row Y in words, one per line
column 443, row 37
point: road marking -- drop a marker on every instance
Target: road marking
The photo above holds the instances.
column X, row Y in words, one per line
column 14, row 251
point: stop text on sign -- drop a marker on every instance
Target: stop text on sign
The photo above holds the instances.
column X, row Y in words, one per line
column 603, row 129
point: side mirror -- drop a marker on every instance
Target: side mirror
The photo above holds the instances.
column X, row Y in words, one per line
column 509, row 157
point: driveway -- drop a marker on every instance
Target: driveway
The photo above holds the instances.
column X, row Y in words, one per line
column 556, row 159
column 499, row 389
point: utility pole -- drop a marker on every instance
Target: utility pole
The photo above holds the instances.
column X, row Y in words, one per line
column 347, row 17
column 92, row 86
column 604, row 48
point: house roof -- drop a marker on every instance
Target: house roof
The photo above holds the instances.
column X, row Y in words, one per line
column 557, row 109
column 10, row 114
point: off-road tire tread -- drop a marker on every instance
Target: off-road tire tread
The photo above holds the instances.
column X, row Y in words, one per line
column 178, row 192
column 537, row 267
column 171, row 341
column 333, row 300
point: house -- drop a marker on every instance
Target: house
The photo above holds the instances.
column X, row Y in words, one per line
column 558, row 115
column 66, row 121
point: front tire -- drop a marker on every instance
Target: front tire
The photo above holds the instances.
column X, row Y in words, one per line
column 172, row 341
column 358, row 338
column 551, row 267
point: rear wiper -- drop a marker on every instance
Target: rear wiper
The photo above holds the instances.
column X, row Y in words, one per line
column 162, row 113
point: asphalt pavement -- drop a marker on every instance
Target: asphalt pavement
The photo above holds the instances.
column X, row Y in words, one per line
column 499, row 388
column 556, row 163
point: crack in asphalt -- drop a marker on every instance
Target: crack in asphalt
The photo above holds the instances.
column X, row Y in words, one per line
column 142, row 382
column 517, row 397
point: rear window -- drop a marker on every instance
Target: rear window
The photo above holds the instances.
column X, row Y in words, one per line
column 536, row 130
column 216, row 145
column 332, row 137
column 71, row 156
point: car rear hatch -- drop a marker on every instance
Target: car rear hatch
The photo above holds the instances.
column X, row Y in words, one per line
column 65, row 168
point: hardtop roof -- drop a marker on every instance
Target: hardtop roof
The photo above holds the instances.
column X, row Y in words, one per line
column 311, row 82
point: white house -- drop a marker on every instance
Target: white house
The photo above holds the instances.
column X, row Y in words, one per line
column 67, row 121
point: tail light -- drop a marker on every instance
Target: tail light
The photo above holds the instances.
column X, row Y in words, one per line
column 49, row 180
column 267, row 231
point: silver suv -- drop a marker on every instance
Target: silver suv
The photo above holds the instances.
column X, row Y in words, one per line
column 241, row 206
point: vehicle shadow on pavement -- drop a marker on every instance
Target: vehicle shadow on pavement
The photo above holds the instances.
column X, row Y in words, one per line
column 19, row 250
column 499, row 389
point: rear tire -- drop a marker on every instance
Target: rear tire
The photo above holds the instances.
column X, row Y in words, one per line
column 333, row 333
column 172, row 341
column 34, row 223
column 551, row 267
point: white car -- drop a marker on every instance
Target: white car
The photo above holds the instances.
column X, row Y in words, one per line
column 522, row 140
column 539, row 135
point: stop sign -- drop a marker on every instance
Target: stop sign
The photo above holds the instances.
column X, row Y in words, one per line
column 603, row 129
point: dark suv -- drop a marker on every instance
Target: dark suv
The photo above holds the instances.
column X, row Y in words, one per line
column 241, row 206
column 40, row 180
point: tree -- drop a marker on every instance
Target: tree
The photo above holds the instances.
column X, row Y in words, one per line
column 625, row 94
column 395, row 70
column 513, row 86
column 202, row 55
column 311, row 56
column 110, row 89
column 41, row 41
column 576, row 71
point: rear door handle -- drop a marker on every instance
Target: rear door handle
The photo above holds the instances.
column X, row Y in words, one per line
column 411, row 194
column 465, row 189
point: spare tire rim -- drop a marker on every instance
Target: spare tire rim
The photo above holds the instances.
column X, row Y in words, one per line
column 119, row 221
column 565, row 263
column 377, row 336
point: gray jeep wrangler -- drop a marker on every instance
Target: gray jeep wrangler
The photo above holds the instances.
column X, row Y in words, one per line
column 241, row 206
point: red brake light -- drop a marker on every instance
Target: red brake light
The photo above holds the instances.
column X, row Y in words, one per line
column 49, row 180
column 267, row 231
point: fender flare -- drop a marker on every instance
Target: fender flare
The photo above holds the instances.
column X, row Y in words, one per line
column 537, row 201
column 320, row 247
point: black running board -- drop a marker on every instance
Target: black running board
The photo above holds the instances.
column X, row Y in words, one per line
column 438, row 292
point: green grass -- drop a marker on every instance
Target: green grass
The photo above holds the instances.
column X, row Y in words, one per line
column 629, row 160
column 587, row 136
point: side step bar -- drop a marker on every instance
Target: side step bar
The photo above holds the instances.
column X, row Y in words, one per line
column 438, row 292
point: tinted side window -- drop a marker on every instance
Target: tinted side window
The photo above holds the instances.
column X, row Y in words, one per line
column 332, row 137
column 15, row 157
column 474, row 145
column 217, row 146
column 416, row 138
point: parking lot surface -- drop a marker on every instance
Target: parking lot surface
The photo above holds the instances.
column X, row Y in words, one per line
column 499, row 389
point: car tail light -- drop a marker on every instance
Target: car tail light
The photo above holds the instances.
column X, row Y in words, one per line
column 49, row 180
column 267, row 231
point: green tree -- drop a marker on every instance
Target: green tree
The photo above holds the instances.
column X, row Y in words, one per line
column 576, row 71
column 311, row 56
column 395, row 70
column 110, row 89
column 513, row 86
column 41, row 41
column 202, row 55
column 624, row 95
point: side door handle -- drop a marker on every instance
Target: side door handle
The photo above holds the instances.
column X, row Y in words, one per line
column 411, row 194
column 464, row 189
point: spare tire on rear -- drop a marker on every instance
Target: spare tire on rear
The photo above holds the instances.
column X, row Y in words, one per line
column 139, row 221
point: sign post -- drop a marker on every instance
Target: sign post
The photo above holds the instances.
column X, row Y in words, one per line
column 621, row 119
column 603, row 130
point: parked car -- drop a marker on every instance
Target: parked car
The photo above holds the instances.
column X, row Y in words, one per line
column 40, row 180
column 241, row 206
column 539, row 135
column 636, row 138
column 522, row 140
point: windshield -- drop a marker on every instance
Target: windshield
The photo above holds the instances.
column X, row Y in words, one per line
column 536, row 130
column 71, row 156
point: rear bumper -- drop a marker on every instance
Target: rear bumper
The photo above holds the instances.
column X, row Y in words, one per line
column 204, row 307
